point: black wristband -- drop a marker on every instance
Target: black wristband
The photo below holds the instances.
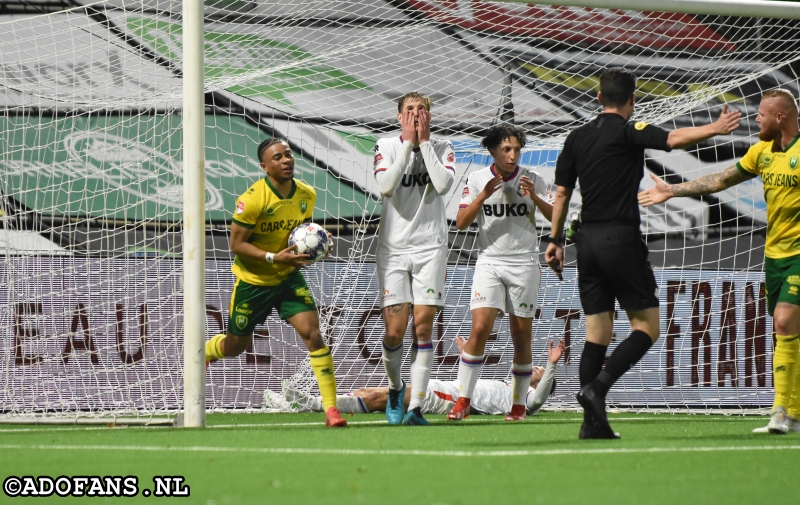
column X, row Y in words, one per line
column 559, row 241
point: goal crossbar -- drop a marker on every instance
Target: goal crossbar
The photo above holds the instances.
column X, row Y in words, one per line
column 745, row 8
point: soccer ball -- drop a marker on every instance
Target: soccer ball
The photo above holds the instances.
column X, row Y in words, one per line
column 310, row 239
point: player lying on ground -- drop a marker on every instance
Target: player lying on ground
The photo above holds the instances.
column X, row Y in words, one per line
column 503, row 198
column 268, row 274
column 413, row 172
column 775, row 159
column 490, row 397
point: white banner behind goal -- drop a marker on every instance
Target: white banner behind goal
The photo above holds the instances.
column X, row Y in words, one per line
column 82, row 342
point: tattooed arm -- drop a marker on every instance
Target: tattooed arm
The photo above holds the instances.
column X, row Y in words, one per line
column 704, row 185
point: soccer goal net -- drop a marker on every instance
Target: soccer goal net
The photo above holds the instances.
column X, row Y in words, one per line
column 91, row 321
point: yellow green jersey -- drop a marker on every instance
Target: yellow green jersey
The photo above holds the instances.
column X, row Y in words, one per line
column 780, row 174
column 272, row 218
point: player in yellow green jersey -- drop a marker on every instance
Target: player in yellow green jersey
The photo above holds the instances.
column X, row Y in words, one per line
column 777, row 160
column 268, row 273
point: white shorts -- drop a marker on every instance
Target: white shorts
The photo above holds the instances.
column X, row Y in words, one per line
column 508, row 288
column 440, row 397
column 416, row 278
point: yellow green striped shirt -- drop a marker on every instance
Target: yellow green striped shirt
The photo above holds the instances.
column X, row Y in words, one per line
column 780, row 174
column 272, row 218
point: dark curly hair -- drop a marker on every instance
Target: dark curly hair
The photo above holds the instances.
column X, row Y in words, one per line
column 498, row 133
column 267, row 144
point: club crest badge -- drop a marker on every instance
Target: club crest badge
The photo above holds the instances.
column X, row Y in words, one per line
column 793, row 162
column 303, row 206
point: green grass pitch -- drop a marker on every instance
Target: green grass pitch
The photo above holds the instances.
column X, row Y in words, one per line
column 294, row 459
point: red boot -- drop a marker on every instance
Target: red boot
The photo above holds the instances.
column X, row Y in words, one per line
column 517, row 413
column 460, row 410
column 334, row 419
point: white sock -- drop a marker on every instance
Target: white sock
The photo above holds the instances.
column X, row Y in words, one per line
column 316, row 404
column 351, row 404
column 420, row 374
column 469, row 369
column 520, row 382
column 392, row 359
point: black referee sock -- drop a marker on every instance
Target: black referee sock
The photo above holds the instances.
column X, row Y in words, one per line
column 627, row 354
column 591, row 364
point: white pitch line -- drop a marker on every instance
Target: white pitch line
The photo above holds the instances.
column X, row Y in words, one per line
column 400, row 452
column 472, row 420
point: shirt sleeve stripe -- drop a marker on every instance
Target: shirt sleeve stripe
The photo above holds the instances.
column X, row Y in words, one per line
column 382, row 169
column 463, row 205
column 451, row 168
column 744, row 170
column 244, row 225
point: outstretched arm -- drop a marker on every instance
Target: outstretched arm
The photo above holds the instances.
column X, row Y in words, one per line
column 704, row 185
column 685, row 137
column 545, row 385
column 554, row 353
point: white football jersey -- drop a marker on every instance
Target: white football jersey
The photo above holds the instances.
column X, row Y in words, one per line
column 413, row 218
column 506, row 224
column 489, row 396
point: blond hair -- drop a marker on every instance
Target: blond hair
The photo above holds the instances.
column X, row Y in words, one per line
column 785, row 96
column 425, row 99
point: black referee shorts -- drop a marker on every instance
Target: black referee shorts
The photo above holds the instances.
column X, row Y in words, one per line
column 612, row 263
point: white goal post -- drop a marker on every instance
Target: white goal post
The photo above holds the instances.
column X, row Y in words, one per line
column 129, row 130
column 194, row 220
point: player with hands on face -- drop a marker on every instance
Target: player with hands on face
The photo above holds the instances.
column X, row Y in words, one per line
column 268, row 274
column 503, row 199
column 413, row 172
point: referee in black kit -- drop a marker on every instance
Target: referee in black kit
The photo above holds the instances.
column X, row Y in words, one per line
column 607, row 156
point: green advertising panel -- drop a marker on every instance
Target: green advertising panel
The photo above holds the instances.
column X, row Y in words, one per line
column 228, row 55
column 129, row 167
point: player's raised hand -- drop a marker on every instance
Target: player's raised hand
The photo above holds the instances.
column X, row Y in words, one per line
column 527, row 186
column 408, row 127
column 460, row 343
column 423, row 125
column 290, row 256
column 660, row 193
column 728, row 121
column 493, row 185
column 554, row 353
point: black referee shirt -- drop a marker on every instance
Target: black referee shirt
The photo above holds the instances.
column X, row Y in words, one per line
column 607, row 155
